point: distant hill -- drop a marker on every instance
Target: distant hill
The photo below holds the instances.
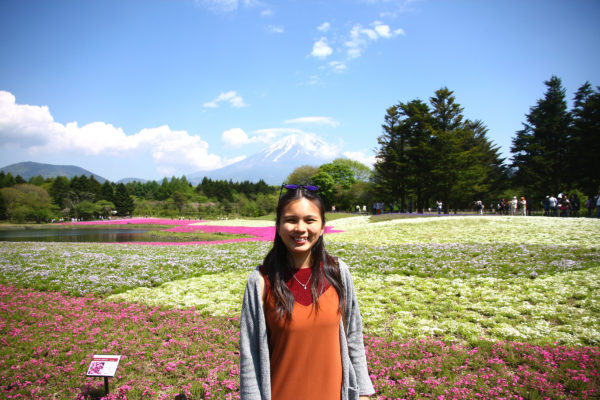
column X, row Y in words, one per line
column 274, row 163
column 30, row 169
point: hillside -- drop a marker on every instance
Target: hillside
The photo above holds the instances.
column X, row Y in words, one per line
column 30, row 169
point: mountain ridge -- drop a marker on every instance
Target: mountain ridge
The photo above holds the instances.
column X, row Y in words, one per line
column 30, row 169
column 272, row 164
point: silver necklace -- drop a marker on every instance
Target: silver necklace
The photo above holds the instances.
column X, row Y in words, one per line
column 304, row 285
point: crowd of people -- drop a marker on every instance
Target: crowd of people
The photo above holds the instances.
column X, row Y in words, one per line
column 562, row 205
column 514, row 206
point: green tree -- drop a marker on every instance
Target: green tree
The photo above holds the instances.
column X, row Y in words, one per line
column 446, row 143
column 325, row 183
column 2, row 208
column 302, row 175
column 340, row 171
column 431, row 152
column 37, row 180
column 539, row 149
column 26, row 202
column 6, row 180
column 104, row 208
column 390, row 174
column 59, row 191
column 123, row 201
column 418, row 124
column 584, row 143
column 107, row 192
column 180, row 200
column 86, row 210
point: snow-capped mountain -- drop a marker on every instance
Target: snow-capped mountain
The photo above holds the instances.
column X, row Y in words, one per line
column 276, row 162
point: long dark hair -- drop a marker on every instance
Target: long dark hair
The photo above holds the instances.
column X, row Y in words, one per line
column 279, row 269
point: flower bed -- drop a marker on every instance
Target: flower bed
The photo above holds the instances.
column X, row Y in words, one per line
column 49, row 339
column 459, row 292
column 256, row 232
column 454, row 308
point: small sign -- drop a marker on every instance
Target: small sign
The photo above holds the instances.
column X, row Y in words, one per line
column 104, row 365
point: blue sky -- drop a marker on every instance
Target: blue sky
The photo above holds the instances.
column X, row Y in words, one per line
column 153, row 88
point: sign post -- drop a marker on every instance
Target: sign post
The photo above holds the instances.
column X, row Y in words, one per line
column 105, row 366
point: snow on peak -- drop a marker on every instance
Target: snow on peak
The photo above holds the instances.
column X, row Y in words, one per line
column 298, row 145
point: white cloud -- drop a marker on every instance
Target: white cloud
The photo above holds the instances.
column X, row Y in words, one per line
column 220, row 5
column 232, row 97
column 321, row 49
column 266, row 13
column 384, row 30
column 338, row 66
column 324, row 27
column 33, row 129
column 313, row 120
column 236, row 137
column 25, row 125
column 269, row 134
column 275, row 29
column 226, row 5
column 360, row 156
column 317, row 146
column 360, row 37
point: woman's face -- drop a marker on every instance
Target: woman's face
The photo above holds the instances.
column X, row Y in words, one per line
column 300, row 227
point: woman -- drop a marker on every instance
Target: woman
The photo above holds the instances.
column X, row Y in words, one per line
column 300, row 329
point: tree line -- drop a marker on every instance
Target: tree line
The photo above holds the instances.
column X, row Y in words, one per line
column 83, row 197
column 428, row 152
column 558, row 150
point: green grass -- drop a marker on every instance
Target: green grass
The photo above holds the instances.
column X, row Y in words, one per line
column 197, row 236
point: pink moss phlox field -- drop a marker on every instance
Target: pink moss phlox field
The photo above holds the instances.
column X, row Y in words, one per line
column 430, row 368
column 48, row 339
column 134, row 221
column 256, row 234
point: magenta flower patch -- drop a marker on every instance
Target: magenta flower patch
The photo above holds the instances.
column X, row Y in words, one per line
column 262, row 234
column 49, row 338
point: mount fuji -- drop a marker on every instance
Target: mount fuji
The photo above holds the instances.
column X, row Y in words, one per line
column 276, row 162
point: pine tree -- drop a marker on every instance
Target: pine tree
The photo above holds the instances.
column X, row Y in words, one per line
column 59, row 191
column 540, row 148
column 107, row 192
column 390, row 173
column 584, row 145
column 123, row 201
column 446, row 135
column 417, row 127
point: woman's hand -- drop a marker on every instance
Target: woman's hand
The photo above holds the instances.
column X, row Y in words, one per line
column 364, row 398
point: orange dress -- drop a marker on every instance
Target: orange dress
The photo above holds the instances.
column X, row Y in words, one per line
column 306, row 360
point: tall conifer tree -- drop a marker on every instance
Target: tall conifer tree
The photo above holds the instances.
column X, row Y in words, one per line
column 584, row 146
column 540, row 148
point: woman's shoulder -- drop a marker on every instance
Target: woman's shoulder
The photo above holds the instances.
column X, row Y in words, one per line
column 256, row 276
column 344, row 269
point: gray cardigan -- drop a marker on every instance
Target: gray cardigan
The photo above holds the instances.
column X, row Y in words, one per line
column 255, row 370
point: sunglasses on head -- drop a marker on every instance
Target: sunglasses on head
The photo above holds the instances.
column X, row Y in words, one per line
column 292, row 186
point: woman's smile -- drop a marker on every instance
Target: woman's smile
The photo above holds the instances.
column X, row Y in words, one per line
column 300, row 228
